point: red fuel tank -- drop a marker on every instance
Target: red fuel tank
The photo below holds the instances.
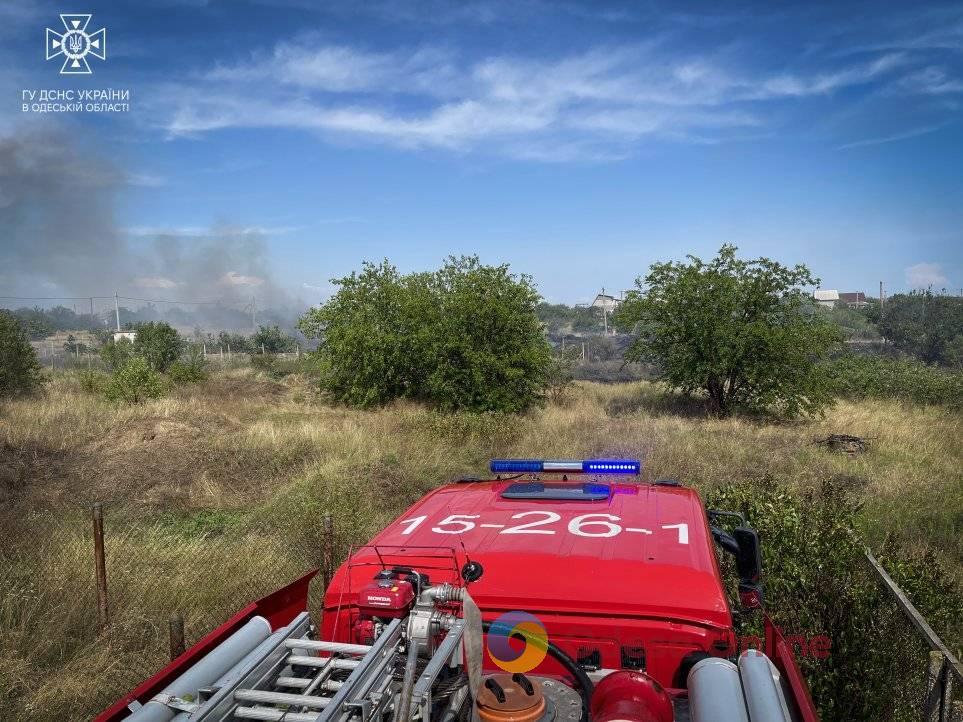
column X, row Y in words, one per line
column 386, row 596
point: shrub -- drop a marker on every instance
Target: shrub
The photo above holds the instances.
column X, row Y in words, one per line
column 743, row 333
column 817, row 581
column 116, row 353
column 858, row 377
column 93, row 382
column 158, row 343
column 181, row 373
column 465, row 337
column 134, row 382
column 190, row 370
column 20, row 371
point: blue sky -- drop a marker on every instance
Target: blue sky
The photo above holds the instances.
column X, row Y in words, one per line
column 577, row 142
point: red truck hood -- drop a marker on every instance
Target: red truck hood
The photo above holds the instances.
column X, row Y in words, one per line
column 643, row 551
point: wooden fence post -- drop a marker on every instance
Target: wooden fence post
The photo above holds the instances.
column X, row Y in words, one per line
column 177, row 635
column 100, row 564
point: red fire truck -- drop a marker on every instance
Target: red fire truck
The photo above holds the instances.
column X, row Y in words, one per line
column 552, row 590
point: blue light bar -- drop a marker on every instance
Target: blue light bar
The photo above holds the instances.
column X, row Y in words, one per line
column 587, row 466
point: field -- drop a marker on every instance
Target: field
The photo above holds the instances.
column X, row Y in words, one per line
column 215, row 495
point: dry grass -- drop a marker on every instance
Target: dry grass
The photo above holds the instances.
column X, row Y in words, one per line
column 214, row 495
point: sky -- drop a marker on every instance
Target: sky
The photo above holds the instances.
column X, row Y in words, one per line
column 271, row 146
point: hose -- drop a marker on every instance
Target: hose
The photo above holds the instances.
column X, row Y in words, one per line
column 403, row 710
column 584, row 683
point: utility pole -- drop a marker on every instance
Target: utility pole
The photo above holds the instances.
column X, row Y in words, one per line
column 253, row 313
column 91, row 306
column 117, row 310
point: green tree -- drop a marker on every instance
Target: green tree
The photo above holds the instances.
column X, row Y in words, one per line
column 488, row 350
column 743, row 332
column 272, row 340
column 234, row 342
column 157, row 343
column 463, row 337
column 20, row 371
column 924, row 325
column 72, row 346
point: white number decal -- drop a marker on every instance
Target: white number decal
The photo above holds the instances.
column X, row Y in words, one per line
column 578, row 523
column 683, row 531
column 456, row 519
column 550, row 516
column 413, row 523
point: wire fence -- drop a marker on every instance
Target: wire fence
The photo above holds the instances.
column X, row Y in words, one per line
column 73, row 640
column 927, row 683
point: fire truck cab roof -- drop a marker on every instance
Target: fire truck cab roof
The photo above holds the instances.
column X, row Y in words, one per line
column 624, row 549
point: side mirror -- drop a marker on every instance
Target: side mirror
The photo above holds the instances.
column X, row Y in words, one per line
column 748, row 556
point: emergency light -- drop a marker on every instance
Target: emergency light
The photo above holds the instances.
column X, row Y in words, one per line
column 585, row 466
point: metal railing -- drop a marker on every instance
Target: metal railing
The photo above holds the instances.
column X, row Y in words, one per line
column 945, row 673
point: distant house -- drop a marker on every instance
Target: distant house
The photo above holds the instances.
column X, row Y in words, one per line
column 605, row 302
column 826, row 297
column 856, row 299
column 129, row 335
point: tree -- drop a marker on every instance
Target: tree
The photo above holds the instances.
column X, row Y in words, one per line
column 272, row 340
column 233, row 342
column 742, row 332
column 463, row 337
column 924, row 325
column 157, row 343
column 20, row 371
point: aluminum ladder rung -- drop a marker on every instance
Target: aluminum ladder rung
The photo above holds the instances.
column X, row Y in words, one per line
column 329, row 685
column 334, row 647
column 304, row 661
column 275, row 715
column 259, row 695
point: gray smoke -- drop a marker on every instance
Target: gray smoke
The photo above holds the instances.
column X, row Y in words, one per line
column 59, row 235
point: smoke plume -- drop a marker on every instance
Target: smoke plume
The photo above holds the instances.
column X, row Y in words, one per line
column 59, row 235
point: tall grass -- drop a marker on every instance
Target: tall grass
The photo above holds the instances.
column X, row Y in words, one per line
column 215, row 495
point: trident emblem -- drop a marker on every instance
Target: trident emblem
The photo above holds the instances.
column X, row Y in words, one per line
column 76, row 44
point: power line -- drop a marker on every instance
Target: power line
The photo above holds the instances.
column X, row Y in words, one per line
column 125, row 298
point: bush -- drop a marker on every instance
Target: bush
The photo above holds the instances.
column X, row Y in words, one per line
column 93, row 382
column 859, row 377
column 181, row 373
column 465, row 337
column 158, row 343
column 20, row 371
column 817, row 581
column 189, row 370
column 116, row 353
column 134, row 382
column 743, row 333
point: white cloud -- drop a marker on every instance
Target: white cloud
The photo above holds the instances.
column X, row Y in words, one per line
column 146, row 180
column 155, row 282
column 431, row 97
column 232, row 278
column 905, row 135
column 924, row 275
column 931, row 80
